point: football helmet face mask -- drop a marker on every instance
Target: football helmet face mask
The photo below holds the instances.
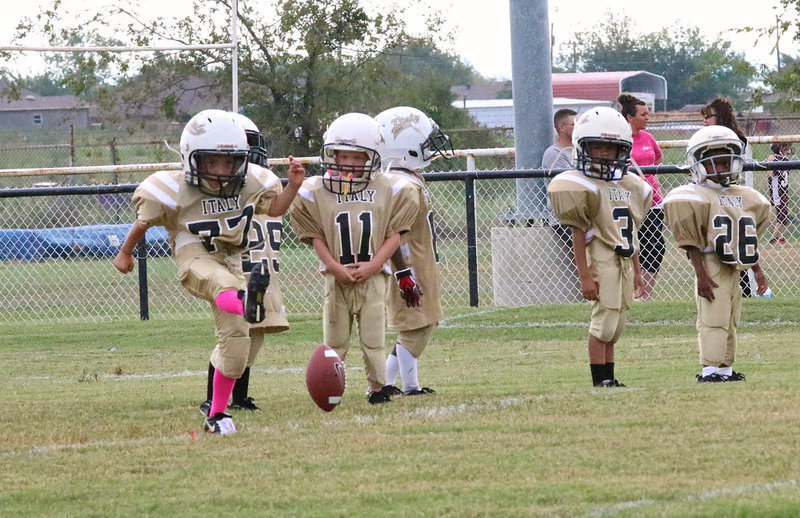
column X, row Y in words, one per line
column 602, row 126
column 412, row 139
column 207, row 136
column 714, row 156
column 353, row 132
column 258, row 146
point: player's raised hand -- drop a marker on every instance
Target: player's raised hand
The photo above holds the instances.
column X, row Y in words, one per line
column 297, row 172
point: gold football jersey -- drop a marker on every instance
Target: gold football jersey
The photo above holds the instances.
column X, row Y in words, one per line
column 725, row 221
column 354, row 225
column 420, row 253
column 191, row 217
column 609, row 211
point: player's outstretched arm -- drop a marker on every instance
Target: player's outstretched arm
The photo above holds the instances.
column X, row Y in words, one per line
column 123, row 262
column 283, row 201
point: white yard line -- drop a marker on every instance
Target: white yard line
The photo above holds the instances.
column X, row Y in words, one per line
column 426, row 412
column 585, row 323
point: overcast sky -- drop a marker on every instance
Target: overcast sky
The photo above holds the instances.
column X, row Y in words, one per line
column 472, row 20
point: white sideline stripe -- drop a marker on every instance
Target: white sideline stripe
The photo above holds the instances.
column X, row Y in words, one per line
column 166, row 375
column 468, row 315
column 585, row 323
column 766, row 487
column 428, row 412
column 38, row 450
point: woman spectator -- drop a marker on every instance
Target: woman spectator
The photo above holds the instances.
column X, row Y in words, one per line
column 645, row 152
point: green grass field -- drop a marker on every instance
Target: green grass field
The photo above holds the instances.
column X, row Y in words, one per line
column 102, row 420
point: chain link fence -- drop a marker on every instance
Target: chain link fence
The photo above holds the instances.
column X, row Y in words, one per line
column 56, row 251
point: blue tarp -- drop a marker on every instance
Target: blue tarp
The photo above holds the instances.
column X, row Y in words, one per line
column 94, row 241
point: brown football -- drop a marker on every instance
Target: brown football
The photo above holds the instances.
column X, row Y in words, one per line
column 325, row 378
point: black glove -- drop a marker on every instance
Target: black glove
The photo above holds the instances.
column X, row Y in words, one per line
column 409, row 290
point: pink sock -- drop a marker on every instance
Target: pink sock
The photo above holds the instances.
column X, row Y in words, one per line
column 223, row 388
column 229, row 302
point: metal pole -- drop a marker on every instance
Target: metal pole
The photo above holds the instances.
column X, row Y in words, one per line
column 71, row 145
column 235, row 56
column 533, row 100
column 472, row 241
column 144, row 302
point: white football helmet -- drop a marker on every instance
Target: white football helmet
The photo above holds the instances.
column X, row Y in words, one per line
column 711, row 138
column 606, row 125
column 214, row 132
column 412, row 140
column 350, row 132
column 258, row 146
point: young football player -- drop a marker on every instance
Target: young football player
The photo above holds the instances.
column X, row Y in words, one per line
column 353, row 217
column 412, row 140
column 718, row 223
column 604, row 205
column 264, row 246
column 207, row 210
column 779, row 191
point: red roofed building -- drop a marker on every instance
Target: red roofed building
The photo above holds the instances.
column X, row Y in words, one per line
column 606, row 86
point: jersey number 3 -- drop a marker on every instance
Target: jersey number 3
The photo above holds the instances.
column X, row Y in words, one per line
column 622, row 216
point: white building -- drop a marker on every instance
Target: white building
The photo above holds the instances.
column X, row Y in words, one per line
column 499, row 113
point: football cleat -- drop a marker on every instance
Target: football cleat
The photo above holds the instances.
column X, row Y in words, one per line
column 220, row 423
column 711, row 378
column 611, row 383
column 247, row 403
column 391, row 390
column 378, row 397
column 205, row 406
column 419, row 392
column 736, row 376
column 253, row 296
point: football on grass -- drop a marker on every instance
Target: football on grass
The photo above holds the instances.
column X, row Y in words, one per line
column 325, row 378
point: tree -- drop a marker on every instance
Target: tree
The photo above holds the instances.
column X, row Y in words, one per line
column 301, row 62
column 696, row 70
column 783, row 82
column 43, row 85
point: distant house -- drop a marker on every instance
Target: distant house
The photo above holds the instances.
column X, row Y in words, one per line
column 606, row 86
column 44, row 112
column 186, row 97
column 496, row 90
column 598, row 88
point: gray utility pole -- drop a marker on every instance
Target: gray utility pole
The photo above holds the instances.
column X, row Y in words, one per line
column 533, row 100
